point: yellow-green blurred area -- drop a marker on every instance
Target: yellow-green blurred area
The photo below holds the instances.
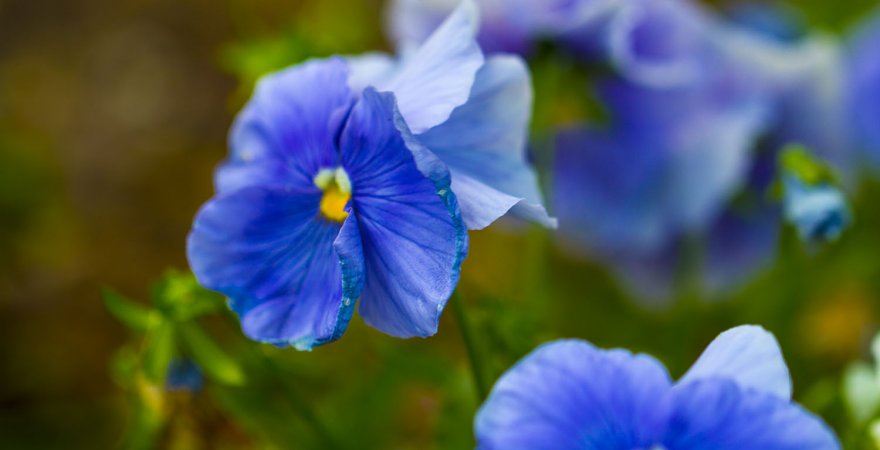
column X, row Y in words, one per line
column 113, row 115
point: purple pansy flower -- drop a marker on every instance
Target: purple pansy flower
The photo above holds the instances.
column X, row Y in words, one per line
column 342, row 185
column 570, row 395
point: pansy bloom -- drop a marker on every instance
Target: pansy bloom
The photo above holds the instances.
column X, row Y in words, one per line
column 697, row 107
column 570, row 395
column 341, row 185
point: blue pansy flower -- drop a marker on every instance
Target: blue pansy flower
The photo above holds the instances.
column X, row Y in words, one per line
column 695, row 113
column 863, row 84
column 331, row 193
column 570, row 395
column 818, row 211
column 324, row 203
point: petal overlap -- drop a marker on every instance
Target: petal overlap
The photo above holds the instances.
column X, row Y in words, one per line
column 411, row 229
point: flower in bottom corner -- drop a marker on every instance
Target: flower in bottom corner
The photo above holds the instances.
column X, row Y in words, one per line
column 569, row 394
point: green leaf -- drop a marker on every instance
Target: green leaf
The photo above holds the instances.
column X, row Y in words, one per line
column 124, row 366
column 158, row 352
column 180, row 296
column 210, row 358
column 132, row 315
column 861, row 391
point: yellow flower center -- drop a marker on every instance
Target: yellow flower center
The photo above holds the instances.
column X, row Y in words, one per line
column 337, row 192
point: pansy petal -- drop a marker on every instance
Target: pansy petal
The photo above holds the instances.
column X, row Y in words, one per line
column 484, row 145
column 369, row 69
column 704, row 161
column 740, row 244
column 413, row 237
column 286, row 133
column 747, row 355
column 721, row 415
column 660, row 43
column 438, row 77
column 411, row 22
column 607, row 189
column 268, row 250
column 863, row 85
column 571, row 395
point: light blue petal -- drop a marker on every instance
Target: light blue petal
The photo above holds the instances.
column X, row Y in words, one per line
column 505, row 26
column 484, row 144
column 570, row 395
column 721, row 415
column 286, row 132
column 820, row 213
column 710, row 160
column 438, row 76
column 413, row 238
column 747, row 355
column 411, row 22
column 369, row 69
column 269, row 251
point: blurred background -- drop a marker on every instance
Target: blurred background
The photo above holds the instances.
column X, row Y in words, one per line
column 113, row 116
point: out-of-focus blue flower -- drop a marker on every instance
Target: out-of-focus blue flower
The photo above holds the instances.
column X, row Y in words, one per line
column 509, row 26
column 668, row 162
column 697, row 108
column 773, row 20
column 570, row 395
column 818, row 211
column 863, row 82
column 184, row 375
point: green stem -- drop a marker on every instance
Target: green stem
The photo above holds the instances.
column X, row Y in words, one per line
column 300, row 406
column 468, row 337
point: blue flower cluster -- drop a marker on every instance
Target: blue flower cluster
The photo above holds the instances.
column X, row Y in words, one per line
column 699, row 108
column 354, row 180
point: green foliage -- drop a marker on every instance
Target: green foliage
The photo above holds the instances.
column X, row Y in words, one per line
column 130, row 314
column 798, row 161
column 207, row 355
column 167, row 331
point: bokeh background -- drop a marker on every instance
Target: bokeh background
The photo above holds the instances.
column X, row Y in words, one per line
column 113, row 115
